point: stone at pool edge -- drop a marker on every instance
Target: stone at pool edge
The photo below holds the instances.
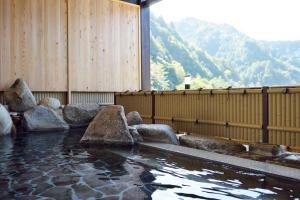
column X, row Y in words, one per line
column 19, row 97
column 211, row 144
column 6, row 123
column 135, row 135
column 108, row 127
column 134, row 118
column 267, row 149
column 80, row 115
column 42, row 118
column 157, row 133
column 50, row 102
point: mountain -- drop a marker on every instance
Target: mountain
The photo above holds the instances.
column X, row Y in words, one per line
column 218, row 55
column 172, row 58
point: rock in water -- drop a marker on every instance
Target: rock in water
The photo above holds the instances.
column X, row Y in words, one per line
column 133, row 118
column 135, row 135
column 157, row 133
column 108, row 127
column 267, row 149
column 6, row 107
column 19, row 97
column 6, row 123
column 50, row 102
column 78, row 115
column 211, row 144
column 42, row 118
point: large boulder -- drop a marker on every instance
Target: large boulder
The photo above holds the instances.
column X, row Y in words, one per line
column 134, row 118
column 79, row 115
column 108, row 127
column 19, row 97
column 157, row 133
column 211, row 144
column 42, row 118
column 6, row 123
column 50, row 102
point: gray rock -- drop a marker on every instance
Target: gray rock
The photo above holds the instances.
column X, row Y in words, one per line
column 157, row 133
column 60, row 113
column 211, row 144
column 6, row 123
column 134, row 118
column 19, row 97
column 6, row 107
column 267, row 149
column 134, row 193
column 50, row 102
column 135, row 135
column 42, row 118
column 108, row 127
column 65, row 180
column 78, row 115
column 58, row 193
column 290, row 156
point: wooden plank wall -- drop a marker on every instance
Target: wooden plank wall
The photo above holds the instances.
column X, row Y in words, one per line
column 61, row 96
column 64, row 45
column 33, row 43
column 103, row 33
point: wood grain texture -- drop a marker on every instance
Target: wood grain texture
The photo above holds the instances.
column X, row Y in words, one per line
column 64, row 45
column 33, row 43
column 104, row 46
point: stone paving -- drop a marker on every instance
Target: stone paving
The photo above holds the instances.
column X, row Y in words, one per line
column 52, row 167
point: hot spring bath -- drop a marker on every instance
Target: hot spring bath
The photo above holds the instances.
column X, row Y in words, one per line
column 56, row 166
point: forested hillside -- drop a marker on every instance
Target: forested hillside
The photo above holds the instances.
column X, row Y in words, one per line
column 218, row 55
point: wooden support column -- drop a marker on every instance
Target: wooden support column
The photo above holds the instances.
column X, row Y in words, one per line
column 265, row 104
column 145, row 47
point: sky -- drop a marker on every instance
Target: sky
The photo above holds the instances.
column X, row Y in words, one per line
column 260, row 19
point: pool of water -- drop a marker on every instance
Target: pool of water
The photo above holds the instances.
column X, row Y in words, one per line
column 56, row 166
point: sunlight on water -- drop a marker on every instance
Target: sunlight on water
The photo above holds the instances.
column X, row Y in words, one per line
column 55, row 165
column 207, row 188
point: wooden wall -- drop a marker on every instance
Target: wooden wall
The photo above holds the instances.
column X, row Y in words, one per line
column 33, row 43
column 70, row 45
column 103, row 33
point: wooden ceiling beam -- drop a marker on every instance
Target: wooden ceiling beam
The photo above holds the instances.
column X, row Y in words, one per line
column 148, row 2
column 143, row 3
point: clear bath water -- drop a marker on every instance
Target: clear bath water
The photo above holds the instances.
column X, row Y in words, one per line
column 56, row 166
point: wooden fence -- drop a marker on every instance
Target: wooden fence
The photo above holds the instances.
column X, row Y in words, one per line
column 270, row 115
column 103, row 98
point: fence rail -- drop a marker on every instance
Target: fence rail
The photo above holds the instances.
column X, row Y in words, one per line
column 270, row 115
column 104, row 98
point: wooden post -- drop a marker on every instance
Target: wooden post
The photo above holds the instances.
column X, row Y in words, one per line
column 265, row 104
column 153, row 107
column 115, row 99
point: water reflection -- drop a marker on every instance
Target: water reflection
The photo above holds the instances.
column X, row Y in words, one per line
column 55, row 165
